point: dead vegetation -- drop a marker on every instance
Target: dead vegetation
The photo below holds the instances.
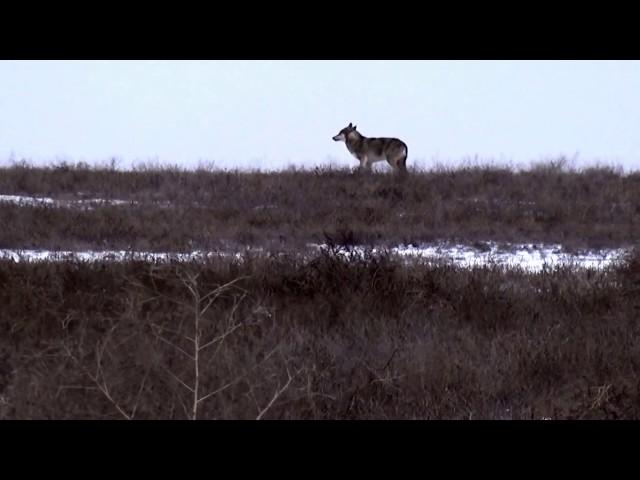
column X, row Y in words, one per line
column 336, row 337
column 332, row 337
column 173, row 209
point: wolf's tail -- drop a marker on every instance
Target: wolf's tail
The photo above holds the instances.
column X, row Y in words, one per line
column 403, row 162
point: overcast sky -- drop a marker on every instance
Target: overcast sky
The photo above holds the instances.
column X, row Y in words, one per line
column 270, row 114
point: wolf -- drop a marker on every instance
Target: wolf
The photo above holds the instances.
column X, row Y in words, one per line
column 370, row 150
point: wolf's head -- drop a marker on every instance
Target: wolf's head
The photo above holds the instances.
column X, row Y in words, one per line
column 344, row 133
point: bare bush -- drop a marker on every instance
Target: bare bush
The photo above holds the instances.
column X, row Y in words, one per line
column 338, row 337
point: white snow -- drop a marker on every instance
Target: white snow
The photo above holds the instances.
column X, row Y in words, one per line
column 102, row 255
column 86, row 202
column 529, row 257
column 22, row 200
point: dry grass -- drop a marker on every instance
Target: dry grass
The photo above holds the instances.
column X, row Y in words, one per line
column 590, row 208
column 330, row 338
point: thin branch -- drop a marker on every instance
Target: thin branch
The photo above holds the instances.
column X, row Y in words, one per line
column 105, row 391
column 224, row 387
column 193, row 291
column 276, row 395
column 240, row 377
column 230, row 330
column 100, row 348
column 221, row 337
column 98, row 377
column 165, row 329
column 101, row 386
column 206, row 307
column 135, row 406
column 157, row 292
column 159, row 295
column 390, row 358
column 218, row 290
column 161, row 338
column 183, row 405
column 178, row 379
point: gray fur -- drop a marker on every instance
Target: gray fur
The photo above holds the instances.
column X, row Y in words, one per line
column 375, row 149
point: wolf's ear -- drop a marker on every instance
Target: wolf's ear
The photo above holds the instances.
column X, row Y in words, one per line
column 355, row 127
column 350, row 125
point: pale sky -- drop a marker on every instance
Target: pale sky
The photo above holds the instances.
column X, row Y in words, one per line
column 270, row 114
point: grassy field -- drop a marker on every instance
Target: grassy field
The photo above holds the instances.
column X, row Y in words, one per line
column 328, row 338
column 181, row 210
column 324, row 337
